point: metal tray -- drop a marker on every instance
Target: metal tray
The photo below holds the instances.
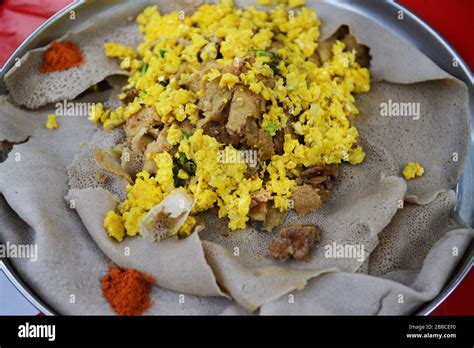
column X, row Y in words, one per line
column 413, row 30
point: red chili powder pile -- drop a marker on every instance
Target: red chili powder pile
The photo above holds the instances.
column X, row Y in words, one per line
column 127, row 291
column 61, row 56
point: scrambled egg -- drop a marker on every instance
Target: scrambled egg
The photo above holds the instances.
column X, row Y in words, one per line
column 412, row 170
column 221, row 183
column 291, row 3
column 320, row 98
column 113, row 224
column 116, row 50
column 51, row 123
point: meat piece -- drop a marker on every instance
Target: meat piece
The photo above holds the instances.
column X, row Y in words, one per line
column 130, row 95
column 219, row 131
column 314, row 170
column 258, row 210
column 244, row 104
column 141, row 140
column 362, row 51
column 269, row 82
column 184, row 68
column 315, row 59
column 275, row 46
column 195, row 82
column 213, row 102
column 237, row 67
column 324, row 50
column 295, row 241
column 258, row 205
column 159, row 145
column 146, row 118
column 322, row 178
column 318, row 176
column 186, row 127
column 261, row 195
column 259, row 139
column 274, row 218
column 279, row 142
column 101, row 177
column 253, row 170
column 110, row 162
column 305, row 199
column 279, row 138
column 317, row 180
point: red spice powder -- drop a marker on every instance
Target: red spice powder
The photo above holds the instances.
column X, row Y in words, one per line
column 61, row 56
column 127, row 291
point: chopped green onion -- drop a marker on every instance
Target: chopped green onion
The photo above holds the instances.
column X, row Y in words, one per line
column 271, row 128
column 182, row 158
column 144, row 68
column 274, row 68
column 190, row 167
column 182, row 162
column 276, row 56
column 162, row 53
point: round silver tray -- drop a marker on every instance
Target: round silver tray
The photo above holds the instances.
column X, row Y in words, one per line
column 413, row 30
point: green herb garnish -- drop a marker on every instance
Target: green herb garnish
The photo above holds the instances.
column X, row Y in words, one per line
column 162, row 53
column 275, row 59
column 271, row 128
column 274, row 68
column 144, row 68
column 182, row 162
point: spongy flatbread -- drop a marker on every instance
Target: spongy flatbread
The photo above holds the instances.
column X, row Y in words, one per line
column 83, row 170
column 406, row 241
column 252, row 284
column 164, row 261
column 398, row 293
column 33, row 183
column 439, row 139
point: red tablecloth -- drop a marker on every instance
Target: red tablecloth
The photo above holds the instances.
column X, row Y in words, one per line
column 452, row 19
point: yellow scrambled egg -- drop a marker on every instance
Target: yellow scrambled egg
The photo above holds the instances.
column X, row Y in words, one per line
column 291, row 3
column 218, row 182
column 320, row 97
column 51, row 123
column 412, row 170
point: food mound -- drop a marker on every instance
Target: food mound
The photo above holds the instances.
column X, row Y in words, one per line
column 241, row 112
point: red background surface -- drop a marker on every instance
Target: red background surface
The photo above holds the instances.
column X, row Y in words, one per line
column 452, row 19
